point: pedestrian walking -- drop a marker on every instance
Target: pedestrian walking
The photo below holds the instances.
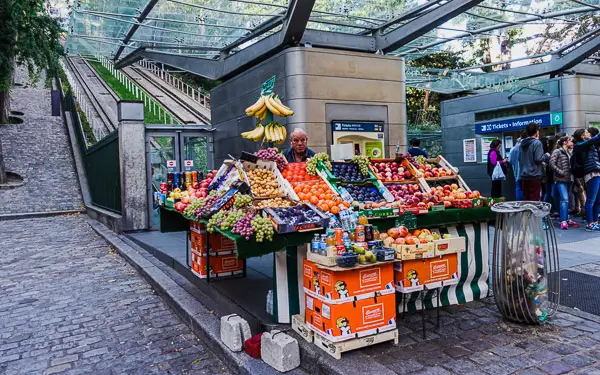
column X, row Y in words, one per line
column 586, row 161
column 493, row 159
column 415, row 148
column 531, row 158
column 514, row 162
column 560, row 166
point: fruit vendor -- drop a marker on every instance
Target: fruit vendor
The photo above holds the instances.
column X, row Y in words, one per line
column 299, row 151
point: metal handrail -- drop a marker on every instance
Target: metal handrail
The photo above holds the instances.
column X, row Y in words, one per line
column 197, row 94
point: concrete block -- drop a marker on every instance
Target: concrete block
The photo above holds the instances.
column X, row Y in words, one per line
column 234, row 332
column 280, row 351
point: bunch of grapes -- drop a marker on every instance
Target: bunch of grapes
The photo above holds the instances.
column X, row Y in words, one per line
column 230, row 219
column 215, row 220
column 272, row 154
column 243, row 226
column 191, row 209
column 263, row 228
column 409, row 157
column 311, row 164
column 242, row 200
column 363, row 164
column 420, row 160
column 208, row 202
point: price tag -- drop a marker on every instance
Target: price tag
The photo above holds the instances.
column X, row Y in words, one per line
column 188, row 165
column 171, row 166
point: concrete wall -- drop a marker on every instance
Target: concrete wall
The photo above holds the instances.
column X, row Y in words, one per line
column 580, row 101
column 458, row 123
column 320, row 86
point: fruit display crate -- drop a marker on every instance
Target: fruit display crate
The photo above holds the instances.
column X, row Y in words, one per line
column 379, row 167
column 429, row 183
column 284, row 185
column 287, row 225
column 296, row 172
column 375, row 191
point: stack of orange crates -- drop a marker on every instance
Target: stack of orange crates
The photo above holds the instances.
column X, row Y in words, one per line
column 346, row 304
column 223, row 260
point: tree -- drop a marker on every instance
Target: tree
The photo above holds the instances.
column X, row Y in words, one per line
column 30, row 37
column 423, row 106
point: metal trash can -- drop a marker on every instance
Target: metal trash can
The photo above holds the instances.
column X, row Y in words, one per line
column 525, row 266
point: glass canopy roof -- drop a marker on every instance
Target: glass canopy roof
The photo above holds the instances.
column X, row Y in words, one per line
column 514, row 32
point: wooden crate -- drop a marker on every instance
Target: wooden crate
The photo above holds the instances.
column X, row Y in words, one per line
column 335, row 349
column 298, row 325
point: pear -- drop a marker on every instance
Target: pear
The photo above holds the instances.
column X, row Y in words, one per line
column 446, row 236
column 362, row 259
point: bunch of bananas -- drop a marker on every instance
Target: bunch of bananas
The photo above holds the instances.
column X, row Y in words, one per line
column 256, row 134
column 275, row 133
column 268, row 103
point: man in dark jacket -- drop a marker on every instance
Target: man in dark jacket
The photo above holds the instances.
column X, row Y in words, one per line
column 299, row 151
column 530, row 163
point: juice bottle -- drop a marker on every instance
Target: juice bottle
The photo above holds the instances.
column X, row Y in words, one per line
column 375, row 233
column 352, row 235
column 339, row 233
column 330, row 238
column 359, row 233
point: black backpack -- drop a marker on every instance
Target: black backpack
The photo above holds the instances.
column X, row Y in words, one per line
column 577, row 164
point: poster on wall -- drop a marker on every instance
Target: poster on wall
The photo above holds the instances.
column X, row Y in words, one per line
column 374, row 149
column 485, row 148
column 469, row 150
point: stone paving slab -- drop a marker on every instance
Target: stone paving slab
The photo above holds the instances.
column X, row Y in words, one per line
column 474, row 339
column 69, row 304
column 39, row 151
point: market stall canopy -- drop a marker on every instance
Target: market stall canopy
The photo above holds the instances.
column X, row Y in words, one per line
column 219, row 38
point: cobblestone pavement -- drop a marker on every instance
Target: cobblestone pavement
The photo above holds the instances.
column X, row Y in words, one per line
column 474, row 339
column 39, row 151
column 70, row 304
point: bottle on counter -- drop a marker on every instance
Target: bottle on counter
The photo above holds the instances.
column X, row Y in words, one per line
column 314, row 244
column 375, row 233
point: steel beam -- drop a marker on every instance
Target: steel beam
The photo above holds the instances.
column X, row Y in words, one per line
column 349, row 42
column 134, row 28
column 295, row 22
column 422, row 25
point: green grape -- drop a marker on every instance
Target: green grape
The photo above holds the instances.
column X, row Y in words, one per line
column 191, row 209
column 363, row 164
column 311, row 164
column 263, row 228
column 242, row 200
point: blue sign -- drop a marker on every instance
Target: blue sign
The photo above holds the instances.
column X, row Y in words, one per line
column 356, row 126
column 518, row 123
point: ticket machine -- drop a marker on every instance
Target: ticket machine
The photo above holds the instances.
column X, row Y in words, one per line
column 367, row 138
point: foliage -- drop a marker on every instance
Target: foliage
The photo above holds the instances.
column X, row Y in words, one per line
column 123, row 93
column 423, row 106
column 30, row 36
column 90, row 139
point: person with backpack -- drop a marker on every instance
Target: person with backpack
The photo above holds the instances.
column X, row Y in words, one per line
column 530, row 159
column 560, row 165
column 514, row 162
column 494, row 158
column 585, row 163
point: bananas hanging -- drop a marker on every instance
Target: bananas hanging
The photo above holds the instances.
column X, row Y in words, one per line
column 256, row 134
column 273, row 132
column 271, row 103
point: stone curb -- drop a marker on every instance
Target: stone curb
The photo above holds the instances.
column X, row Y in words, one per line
column 34, row 215
column 203, row 323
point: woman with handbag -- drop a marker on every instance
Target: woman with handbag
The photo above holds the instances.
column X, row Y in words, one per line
column 560, row 166
column 495, row 159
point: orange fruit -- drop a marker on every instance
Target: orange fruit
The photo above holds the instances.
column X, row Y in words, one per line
column 346, row 204
column 324, row 207
column 314, row 200
column 335, row 210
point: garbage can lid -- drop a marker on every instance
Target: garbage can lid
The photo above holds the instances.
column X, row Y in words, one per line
column 539, row 209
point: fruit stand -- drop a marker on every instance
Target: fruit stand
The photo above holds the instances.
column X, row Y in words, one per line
column 405, row 226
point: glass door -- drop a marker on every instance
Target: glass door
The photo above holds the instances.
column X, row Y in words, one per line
column 196, row 148
column 160, row 150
